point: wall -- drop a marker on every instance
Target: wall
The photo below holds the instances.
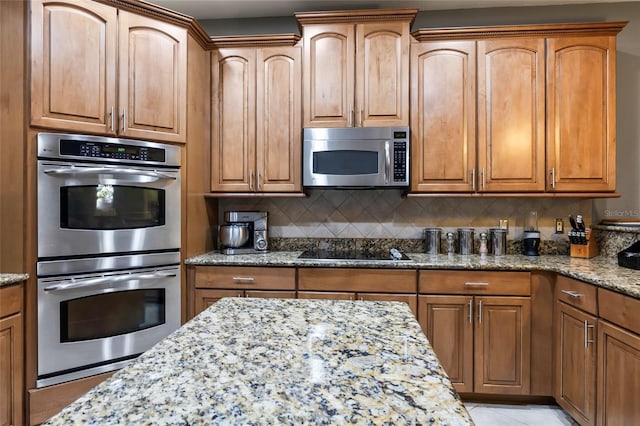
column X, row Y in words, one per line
column 385, row 214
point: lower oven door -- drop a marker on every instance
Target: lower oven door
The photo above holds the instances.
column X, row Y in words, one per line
column 93, row 323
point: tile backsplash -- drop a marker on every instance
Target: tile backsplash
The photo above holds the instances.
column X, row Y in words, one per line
column 386, row 214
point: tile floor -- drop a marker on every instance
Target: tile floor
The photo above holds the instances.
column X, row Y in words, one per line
column 518, row 415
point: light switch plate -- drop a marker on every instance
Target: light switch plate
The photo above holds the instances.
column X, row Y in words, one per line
column 504, row 224
column 559, row 225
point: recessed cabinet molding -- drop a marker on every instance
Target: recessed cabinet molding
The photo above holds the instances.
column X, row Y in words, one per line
column 256, row 124
column 98, row 69
column 516, row 132
column 356, row 67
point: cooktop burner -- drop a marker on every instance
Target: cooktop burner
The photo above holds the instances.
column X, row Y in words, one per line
column 392, row 255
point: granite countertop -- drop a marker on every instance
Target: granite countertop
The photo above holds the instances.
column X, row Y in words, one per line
column 601, row 271
column 8, row 279
column 281, row 362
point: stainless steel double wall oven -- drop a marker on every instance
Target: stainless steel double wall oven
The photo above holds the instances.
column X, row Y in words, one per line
column 108, row 252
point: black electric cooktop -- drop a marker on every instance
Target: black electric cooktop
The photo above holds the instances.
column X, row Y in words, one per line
column 356, row 255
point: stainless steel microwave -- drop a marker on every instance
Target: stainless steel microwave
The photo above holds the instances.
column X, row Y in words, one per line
column 356, row 157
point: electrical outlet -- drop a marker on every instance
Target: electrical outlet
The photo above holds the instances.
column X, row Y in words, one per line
column 504, row 224
column 559, row 225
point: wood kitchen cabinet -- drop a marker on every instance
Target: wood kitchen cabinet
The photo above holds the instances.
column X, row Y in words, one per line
column 356, row 67
column 256, row 139
column 581, row 126
column 11, row 355
column 98, row 69
column 358, row 284
column 482, row 340
column 506, row 153
column 209, row 284
column 575, row 350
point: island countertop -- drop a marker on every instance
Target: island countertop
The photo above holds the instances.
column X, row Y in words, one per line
column 9, row 279
column 281, row 362
column 601, row 271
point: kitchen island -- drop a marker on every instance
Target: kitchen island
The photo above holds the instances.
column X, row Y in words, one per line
column 289, row 362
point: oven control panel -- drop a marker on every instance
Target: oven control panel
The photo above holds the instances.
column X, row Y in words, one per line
column 111, row 150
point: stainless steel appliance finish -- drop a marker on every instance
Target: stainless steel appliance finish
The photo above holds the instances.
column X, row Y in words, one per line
column 100, row 196
column 432, row 240
column 465, row 240
column 93, row 322
column 360, row 157
column 257, row 241
column 498, row 241
column 234, row 235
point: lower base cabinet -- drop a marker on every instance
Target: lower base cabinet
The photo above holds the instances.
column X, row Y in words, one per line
column 11, row 356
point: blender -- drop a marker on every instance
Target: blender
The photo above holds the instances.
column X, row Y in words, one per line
column 531, row 235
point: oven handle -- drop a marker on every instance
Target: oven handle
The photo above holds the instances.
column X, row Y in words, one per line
column 107, row 170
column 72, row 285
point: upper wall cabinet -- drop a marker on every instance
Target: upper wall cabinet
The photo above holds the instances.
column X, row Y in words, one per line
column 100, row 70
column 256, row 125
column 479, row 120
column 356, row 67
column 581, row 102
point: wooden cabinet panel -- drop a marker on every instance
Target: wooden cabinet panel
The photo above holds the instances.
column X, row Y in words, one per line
column 153, row 78
column 577, row 293
column 271, row 294
column 357, row 280
column 205, row 297
column 511, row 115
column 618, row 376
column 73, row 65
column 11, row 355
column 502, row 345
column 447, row 322
column 581, row 113
column 382, row 70
column 575, row 363
column 443, row 116
column 278, row 119
column 328, row 75
column 619, row 309
column 327, row 295
column 241, row 277
column 475, row 282
column 233, row 112
column 409, row 299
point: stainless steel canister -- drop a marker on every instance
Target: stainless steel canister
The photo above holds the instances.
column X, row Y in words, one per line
column 498, row 241
column 465, row 240
column 432, row 238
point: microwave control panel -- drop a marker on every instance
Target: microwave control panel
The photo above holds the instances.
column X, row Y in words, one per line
column 399, row 161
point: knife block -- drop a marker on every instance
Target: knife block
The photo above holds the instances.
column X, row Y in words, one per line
column 585, row 251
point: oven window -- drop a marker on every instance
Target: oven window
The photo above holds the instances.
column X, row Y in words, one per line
column 111, row 314
column 345, row 162
column 105, row 207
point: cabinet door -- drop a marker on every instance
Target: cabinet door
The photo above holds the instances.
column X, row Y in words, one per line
column 271, row 294
column 11, row 370
column 618, row 376
column 153, row 78
column 328, row 295
column 409, row 299
column 328, row 75
column 73, row 65
column 575, row 363
column 502, row 345
column 443, row 111
column 206, row 298
column 233, row 120
column 382, row 74
column 278, row 122
column 511, row 115
column 447, row 323
column 581, row 124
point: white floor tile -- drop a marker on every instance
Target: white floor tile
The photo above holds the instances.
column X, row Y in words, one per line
column 518, row 415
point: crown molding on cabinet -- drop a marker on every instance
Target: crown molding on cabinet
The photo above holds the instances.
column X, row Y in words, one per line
column 255, row 40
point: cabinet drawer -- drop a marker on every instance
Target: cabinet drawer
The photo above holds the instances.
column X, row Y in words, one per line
column 576, row 293
column 475, row 282
column 245, row 277
column 619, row 309
column 356, row 279
column 10, row 300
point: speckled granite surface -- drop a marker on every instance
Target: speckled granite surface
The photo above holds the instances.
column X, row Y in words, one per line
column 8, row 279
column 601, row 271
column 281, row 362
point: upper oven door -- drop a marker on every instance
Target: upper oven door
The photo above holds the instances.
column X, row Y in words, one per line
column 347, row 163
column 90, row 209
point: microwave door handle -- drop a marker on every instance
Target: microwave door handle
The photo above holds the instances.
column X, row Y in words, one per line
column 64, row 171
column 387, row 161
column 91, row 282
